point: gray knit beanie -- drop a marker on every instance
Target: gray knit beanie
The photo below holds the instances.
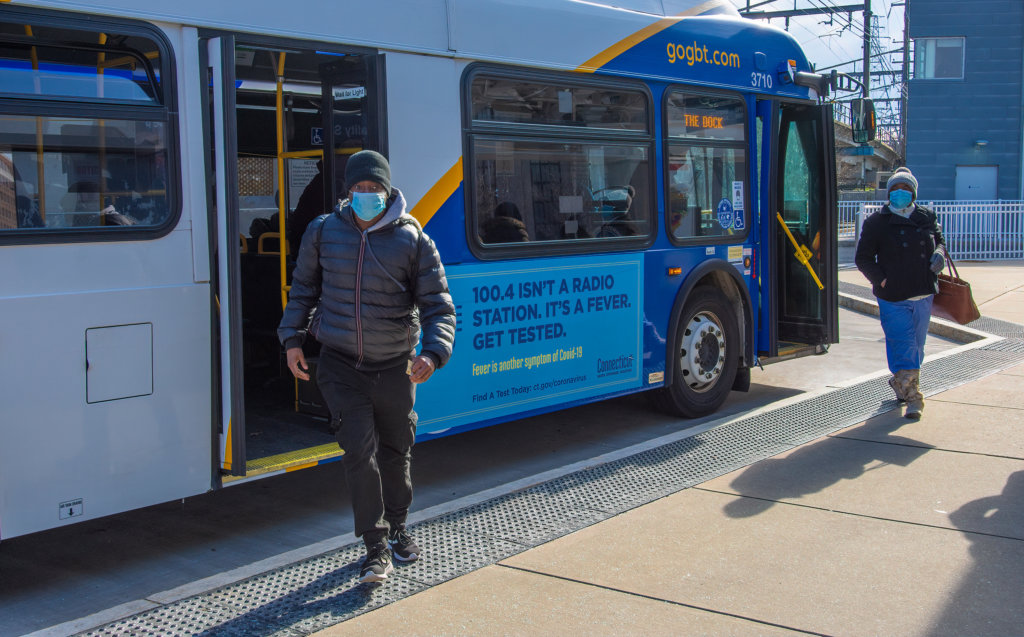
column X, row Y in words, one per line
column 902, row 175
column 368, row 165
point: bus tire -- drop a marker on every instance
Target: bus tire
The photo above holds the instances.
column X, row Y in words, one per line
column 706, row 355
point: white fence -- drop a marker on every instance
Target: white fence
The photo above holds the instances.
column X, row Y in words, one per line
column 987, row 230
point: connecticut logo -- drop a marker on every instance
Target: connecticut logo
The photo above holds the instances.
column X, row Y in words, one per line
column 612, row 366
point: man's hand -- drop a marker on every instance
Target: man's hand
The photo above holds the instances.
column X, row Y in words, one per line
column 422, row 368
column 297, row 363
column 882, row 284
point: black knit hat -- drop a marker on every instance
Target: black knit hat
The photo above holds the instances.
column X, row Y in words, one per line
column 368, row 165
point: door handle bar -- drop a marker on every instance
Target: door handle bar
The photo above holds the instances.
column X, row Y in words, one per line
column 803, row 253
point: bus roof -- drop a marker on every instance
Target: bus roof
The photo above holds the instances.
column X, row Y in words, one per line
column 702, row 41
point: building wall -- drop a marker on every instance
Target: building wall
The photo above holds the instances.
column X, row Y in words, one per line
column 8, row 209
column 946, row 117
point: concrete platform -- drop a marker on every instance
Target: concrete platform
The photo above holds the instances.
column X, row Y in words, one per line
column 997, row 286
column 888, row 527
column 879, row 526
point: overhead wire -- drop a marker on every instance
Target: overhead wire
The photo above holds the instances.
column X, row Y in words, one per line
column 844, row 24
column 840, row 23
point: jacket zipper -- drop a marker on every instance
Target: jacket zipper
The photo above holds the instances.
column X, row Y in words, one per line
column 359, row 309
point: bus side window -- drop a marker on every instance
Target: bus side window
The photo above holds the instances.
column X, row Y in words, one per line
column 706, row 165
column 587, row 177
column 106, row 165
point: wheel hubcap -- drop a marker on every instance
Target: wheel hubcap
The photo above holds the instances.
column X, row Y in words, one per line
column 702, row 355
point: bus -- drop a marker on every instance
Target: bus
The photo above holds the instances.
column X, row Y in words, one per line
column 635, row 196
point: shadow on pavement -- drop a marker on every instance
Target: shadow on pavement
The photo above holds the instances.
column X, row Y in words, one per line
column 814, row 467
column 327, row 600
column 990, row 597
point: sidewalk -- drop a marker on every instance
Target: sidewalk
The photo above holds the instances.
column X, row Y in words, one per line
column 888, row 527
column 997, row 286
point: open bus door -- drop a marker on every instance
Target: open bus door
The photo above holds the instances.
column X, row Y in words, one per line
column 352, row 119
column 230, row 430
column 804, row 276
column 277, row 109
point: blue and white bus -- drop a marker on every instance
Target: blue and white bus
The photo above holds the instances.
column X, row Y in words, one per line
column 616, row 192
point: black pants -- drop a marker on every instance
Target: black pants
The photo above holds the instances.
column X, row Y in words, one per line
column 377, row 431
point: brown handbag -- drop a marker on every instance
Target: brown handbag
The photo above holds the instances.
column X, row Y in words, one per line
column 954, row 300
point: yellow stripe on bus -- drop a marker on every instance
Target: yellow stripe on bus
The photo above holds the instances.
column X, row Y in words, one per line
column 612, row 52
column 431, row 202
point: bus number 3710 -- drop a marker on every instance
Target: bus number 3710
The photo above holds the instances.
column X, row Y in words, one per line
column 761, row 80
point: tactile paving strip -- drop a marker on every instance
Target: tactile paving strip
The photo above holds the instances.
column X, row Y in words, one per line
column 314, row 594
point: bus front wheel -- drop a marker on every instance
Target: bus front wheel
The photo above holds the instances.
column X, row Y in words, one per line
column 704, row 356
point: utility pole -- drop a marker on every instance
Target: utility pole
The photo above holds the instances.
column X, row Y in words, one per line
column 905, row 89
column 829, row 10
column 867, row 48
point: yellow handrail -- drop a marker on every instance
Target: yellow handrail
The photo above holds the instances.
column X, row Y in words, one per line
column 281, row 156
column 281, row 208
column 803, row 253
column 282, row 244
column 300, row 154
column 118, row 62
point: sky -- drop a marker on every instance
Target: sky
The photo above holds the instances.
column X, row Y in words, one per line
column 829, row 41
column 828, row 44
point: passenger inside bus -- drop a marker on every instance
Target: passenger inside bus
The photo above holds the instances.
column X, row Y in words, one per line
column 615, row 205
column 506, row 226
column 684, row 220
column 85, row 200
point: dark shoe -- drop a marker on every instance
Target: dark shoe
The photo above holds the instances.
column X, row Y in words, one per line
column 377, row 565
column 403, row 546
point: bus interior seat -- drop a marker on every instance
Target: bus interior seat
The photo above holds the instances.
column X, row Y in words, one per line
column 274, row 240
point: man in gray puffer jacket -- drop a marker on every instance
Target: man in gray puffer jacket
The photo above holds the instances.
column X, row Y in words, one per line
column 376, row 281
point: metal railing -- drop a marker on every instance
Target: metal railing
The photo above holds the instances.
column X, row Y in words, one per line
column 986, row 230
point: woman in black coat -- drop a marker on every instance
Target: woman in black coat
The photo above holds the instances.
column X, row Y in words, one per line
column 901, row 251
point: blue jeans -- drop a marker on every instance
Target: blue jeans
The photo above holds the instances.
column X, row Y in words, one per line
column 905, row 324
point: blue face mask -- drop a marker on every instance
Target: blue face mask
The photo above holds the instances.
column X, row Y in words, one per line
column 900, row 199
column 368, row 205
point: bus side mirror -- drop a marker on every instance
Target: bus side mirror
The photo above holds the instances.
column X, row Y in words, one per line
column 863, row 123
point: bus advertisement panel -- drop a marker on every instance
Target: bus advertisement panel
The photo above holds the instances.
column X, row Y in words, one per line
column 534, row 334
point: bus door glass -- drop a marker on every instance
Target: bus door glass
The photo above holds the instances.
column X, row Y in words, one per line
column 352, row 120
column 230, row 430
column 805, row 228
